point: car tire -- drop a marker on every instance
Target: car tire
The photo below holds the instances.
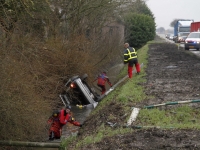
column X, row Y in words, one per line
column 84, row 77
column 197, row 49
column 73, row 78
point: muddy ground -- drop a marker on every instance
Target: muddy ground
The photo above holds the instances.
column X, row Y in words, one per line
column 172, row 75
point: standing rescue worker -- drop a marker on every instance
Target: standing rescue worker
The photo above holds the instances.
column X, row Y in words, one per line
column 130, row 57
column 102, row 79
column 58, row 120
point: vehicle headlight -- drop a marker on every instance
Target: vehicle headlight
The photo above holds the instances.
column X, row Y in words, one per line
column 186, row 42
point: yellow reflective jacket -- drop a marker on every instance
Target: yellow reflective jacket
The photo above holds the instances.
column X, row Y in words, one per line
column 129, row 54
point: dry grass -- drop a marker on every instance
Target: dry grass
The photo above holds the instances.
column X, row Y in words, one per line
column 32, row 75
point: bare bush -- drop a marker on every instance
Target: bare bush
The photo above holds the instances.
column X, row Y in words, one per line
column 44, row 48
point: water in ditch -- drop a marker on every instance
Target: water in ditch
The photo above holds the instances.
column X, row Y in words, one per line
column 80, row 114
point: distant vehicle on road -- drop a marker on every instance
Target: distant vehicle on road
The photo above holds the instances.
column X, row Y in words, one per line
column 181, row 27
column 195, row 27
column 192, row 41
column 171, row 37
column 182, row 39
column 167, row 36
column 182, row 36
column 174, row 38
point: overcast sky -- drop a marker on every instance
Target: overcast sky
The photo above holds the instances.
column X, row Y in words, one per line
column 165, row 11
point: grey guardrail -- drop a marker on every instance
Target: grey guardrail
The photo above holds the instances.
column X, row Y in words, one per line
column 30, row 144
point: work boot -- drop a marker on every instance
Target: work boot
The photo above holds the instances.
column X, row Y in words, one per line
column 51, row 136
column 51, row 139
column 138, row 73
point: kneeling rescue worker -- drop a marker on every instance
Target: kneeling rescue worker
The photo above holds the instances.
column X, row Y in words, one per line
column 58, row 120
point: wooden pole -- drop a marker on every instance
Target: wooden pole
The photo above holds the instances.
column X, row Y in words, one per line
column 30, row 144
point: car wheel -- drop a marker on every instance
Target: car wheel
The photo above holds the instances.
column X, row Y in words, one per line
column 73, row 78
column 197, row 49
column 84, row 77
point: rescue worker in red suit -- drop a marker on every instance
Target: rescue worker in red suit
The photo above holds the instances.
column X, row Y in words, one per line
column 55, row 128
column 58, row 120
column 102, row 79
column 130, row 57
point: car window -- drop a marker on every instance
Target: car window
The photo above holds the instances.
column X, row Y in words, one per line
column 194, row 35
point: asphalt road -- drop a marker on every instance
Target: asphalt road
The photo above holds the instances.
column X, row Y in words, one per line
column 194, row 51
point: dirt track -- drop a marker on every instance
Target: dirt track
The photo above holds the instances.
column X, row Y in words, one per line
column 172, row 75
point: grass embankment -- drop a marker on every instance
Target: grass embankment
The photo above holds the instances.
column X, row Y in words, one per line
column 128, row 95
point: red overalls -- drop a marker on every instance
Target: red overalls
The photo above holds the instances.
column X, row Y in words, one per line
column 58, row 122
column 66, row 117
column 102, row 79
column 55, row 129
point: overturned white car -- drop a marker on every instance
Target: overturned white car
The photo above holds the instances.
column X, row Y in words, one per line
column 79, row 92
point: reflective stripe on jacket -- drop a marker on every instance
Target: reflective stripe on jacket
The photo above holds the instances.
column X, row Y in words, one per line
column 129, row 54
